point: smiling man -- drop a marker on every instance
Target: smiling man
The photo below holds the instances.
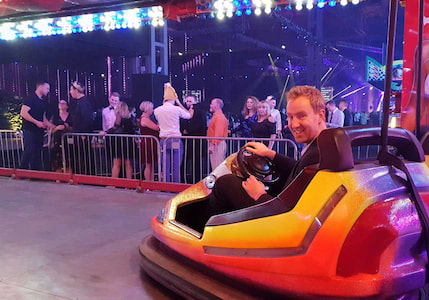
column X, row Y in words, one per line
column 306, row 119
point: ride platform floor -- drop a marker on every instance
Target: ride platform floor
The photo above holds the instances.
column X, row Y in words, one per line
column 59, row 241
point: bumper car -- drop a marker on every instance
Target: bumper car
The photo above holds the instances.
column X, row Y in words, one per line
column 356, row 230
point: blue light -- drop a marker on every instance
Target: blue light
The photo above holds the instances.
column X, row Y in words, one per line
column 239, row 13
column 332, row 3
column 289, row 7
column 248, row 12
column 132, row 18
column 321, row 4
column 236, row 3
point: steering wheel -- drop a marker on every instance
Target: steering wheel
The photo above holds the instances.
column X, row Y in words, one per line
column 248, row 163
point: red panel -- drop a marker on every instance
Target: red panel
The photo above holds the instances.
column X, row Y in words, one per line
column 6, row 172
column 54, row 176
column 32, row 5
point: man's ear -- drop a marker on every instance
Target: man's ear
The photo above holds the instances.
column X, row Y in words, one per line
column 322, row 115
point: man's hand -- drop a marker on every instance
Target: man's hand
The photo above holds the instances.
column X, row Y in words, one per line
column 40, row 124
column 260, row 149
column 60, row 127
column 253, row 187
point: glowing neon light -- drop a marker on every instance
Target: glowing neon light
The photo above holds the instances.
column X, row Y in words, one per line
column 112, row 20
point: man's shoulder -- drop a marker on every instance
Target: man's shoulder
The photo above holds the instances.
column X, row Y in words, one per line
column 30, row 100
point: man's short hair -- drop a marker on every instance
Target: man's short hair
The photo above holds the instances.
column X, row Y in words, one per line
column 41, row 82
column 314, row 95
column 219, row 102
column 115, row 94
column 331, row 102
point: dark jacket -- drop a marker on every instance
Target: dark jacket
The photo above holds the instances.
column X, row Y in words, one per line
column 291, row 168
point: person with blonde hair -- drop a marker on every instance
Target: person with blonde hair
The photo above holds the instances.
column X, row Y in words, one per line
column 250, row 114
column 148, row 146
column 264, row 127
column 122, row 148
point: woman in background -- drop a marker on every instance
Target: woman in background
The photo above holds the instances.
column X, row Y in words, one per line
column 148, row 146
column 250, row 115
column 264, row 127
column 63, row 124
column 123, row 147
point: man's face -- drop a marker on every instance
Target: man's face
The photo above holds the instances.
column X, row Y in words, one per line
column 303, row 122
column 213, row 106
column 272, row 103
column 330, row 107
column 73, row 92
column 342, row 105
column 44, row 89
column 113, row 101
column 189, row 101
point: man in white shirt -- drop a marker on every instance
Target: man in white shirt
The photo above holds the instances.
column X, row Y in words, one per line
column 335, row 116
column 108, row 113
column 275, row 114
column 168, row 116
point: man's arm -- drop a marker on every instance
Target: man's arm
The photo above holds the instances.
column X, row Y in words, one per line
column 25, row 113
column 188, row 113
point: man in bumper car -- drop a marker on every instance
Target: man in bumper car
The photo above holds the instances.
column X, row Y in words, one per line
column 306, row 119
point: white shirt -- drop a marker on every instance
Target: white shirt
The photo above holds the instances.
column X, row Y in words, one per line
column 336, row 118
column 109, row 118
column 168, row 116
column 275, row 114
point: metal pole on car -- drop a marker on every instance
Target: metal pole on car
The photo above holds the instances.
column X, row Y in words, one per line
column 393, row 12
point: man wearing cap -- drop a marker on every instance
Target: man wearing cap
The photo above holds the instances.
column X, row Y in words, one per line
column 168, row 116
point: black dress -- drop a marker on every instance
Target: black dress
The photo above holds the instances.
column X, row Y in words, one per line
column 263, row 129
column 123, row 147
column 56, row 144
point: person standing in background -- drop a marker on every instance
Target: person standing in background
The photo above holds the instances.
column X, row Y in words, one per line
column 192, row 168
column 82, row 115
column 62, row 124
column 335, row 116
column 34, row 123
column 218, row 127
column 148, row 146
column 275, row 115
column 108, row 113
column 343, row 106
column 250, row 115
column 168, row 116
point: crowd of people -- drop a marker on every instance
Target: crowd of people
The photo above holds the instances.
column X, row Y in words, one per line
column 167, row 123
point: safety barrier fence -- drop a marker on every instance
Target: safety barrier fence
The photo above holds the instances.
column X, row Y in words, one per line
column 177, row 160
column 131, row 159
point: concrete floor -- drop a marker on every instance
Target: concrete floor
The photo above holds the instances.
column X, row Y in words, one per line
column 59, row 241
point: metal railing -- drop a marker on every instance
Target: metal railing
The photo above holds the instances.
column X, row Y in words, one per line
column 185, row 159
column 110, row 155
column 11, row 148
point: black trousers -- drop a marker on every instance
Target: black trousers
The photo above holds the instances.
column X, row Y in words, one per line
column 33, row 145
column 228, row 195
